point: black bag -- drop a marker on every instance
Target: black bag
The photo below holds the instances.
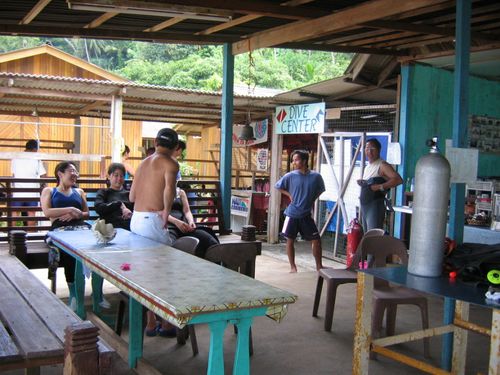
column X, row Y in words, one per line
column 367, row 195
column 473, row 261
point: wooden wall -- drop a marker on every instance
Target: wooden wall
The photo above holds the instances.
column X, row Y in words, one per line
column 94, row 141
column 47, row 65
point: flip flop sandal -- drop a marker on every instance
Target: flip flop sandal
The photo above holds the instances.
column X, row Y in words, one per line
column 171, row 332
column 151, row 332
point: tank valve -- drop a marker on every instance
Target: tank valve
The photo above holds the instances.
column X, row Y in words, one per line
column 433, row 144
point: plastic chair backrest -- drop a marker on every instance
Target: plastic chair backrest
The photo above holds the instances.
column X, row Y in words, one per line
column 187, row 244
column 376, row 232
column 381, row 248
column 239, row 257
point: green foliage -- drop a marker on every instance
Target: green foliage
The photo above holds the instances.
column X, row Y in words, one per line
column 195, row 67
column 11, row 43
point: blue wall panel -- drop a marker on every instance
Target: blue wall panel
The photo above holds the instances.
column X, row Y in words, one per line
column 431, row 113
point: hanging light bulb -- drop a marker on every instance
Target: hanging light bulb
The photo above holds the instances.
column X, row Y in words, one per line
column 34, row 113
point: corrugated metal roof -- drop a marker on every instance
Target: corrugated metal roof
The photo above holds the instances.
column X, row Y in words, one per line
column 70, row 97
column 337, row 92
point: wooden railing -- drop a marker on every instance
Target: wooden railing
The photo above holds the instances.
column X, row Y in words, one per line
column 204, row 197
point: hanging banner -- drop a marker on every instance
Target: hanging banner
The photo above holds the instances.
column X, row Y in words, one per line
column 260, row 130
column 300, row 119
column 261, row 159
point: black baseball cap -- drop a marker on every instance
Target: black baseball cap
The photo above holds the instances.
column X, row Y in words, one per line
column 167, row 138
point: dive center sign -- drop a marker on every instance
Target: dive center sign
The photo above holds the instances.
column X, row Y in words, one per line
column 300, row 119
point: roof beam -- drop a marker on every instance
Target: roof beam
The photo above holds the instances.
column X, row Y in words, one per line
column 90, row 107
column 100, row 20
column 247, row 18
column 335, row 22
column 387, row 71
column 129, row 6
column 34, row 12
column 450, row 52
column 163, row 25
column 358, row 67
column 105, row 33
column 347, row 49
column 229, row 24
column 262, row 8
column 422, row 29
column 213, row 7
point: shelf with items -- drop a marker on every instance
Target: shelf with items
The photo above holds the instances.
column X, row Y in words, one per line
column 479, row 196
column 495, row 218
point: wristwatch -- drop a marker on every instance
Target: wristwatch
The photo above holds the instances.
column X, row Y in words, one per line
column 381, row 188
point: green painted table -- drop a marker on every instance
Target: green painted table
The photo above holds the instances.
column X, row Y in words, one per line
column 179, row 287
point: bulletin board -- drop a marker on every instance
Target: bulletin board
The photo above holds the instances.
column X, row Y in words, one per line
column 484, row 134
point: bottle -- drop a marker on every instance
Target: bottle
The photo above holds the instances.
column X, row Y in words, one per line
column 412, row 186
column 407, row 186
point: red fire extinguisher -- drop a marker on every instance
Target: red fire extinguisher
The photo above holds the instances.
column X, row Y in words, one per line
column 354, row 235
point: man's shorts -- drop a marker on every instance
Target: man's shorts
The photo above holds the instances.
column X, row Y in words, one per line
column 25, row 204
column 150, row 225
column 305, row 226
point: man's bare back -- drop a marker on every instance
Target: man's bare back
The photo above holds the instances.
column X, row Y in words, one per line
column 153, row 189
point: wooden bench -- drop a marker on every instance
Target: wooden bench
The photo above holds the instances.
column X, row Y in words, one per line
column 38, row 329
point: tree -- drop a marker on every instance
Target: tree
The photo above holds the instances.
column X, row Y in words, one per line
column 196, row 67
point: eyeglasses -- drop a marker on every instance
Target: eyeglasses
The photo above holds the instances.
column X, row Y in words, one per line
column 71, row 171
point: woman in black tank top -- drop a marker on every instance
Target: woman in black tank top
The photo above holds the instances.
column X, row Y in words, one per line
column 181, row 223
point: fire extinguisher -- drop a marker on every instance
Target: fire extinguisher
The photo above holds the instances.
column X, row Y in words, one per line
column 354, row 235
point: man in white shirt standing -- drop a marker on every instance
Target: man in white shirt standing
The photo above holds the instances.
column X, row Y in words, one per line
column 28, row 168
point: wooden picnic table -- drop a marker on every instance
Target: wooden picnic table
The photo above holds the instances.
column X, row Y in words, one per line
column 36, row 327
column 179, row 287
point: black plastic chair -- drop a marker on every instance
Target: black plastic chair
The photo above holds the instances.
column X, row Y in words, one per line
column 240, row 258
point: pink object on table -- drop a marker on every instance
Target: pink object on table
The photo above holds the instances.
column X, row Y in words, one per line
column 125, row 267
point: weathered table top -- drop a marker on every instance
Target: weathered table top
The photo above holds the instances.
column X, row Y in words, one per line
column 173, row 284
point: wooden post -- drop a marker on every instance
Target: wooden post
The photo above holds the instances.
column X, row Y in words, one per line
column 273, row 216
column 17, row 244
column 81, row 356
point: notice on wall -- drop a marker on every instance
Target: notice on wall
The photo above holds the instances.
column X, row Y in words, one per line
column 463, row 163
column 300, row 119
column 240, row 206
column 484, row 134
column 261, row 159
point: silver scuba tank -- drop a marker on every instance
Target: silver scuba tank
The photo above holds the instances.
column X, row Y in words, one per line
column 430, row 212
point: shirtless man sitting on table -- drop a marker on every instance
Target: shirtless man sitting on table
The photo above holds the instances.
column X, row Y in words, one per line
column 153, row 191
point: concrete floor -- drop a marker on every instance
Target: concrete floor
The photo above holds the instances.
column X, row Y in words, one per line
column 297, row 345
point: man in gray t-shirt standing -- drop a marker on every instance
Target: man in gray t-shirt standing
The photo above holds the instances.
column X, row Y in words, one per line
column 303, row 187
